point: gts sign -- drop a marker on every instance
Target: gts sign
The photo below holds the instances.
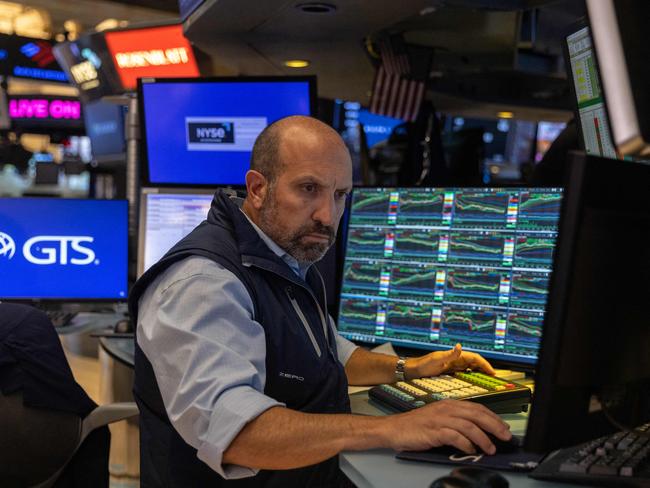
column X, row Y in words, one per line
column 63, row 250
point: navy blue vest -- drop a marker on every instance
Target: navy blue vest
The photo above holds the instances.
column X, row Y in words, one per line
column 301, row 371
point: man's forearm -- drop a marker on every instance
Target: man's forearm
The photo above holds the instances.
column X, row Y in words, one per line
column 369, row 368
column 281, row 438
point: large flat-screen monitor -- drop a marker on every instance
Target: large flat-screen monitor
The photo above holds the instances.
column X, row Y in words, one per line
column 582, row 68
column 201, row 131
column 63, row 249
column 620, row 33
column 426, row 268
column 594, row 359
column 166, row 216
column 105, row 127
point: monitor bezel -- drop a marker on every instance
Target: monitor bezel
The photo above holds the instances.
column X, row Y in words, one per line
column 144, row 151
column 69, row 299
column 417, row 351
column 142, row 223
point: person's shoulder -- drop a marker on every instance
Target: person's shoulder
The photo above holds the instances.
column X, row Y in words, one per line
column 192, row 267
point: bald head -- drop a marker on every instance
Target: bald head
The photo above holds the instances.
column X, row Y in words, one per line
column 267, row 151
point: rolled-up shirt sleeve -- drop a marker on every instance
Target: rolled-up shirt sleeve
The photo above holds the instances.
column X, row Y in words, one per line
column 344, row 347
column 196, row 327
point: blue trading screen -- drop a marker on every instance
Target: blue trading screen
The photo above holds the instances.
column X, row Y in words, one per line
column 63, row 249
column 203, row 132
column 429, row 267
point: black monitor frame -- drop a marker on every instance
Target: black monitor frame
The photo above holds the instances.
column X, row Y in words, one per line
column 143, row 149
column 595, row 336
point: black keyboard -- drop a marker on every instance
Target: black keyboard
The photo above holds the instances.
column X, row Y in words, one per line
column 499, row 395
column 622, row 459
column 60, row 318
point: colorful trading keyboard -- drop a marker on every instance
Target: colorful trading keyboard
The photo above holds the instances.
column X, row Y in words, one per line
column 500, row 396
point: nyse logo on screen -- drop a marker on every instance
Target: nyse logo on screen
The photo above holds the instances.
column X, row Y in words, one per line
column 46, row 250
column 211, row 132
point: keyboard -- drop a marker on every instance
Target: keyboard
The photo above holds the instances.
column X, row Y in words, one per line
column 621, row 459
column 499, row 395
column 60, row 318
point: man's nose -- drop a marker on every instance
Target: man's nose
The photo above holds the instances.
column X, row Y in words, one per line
column 325, row 213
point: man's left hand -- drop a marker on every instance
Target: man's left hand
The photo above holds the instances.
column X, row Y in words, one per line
column 439, row 362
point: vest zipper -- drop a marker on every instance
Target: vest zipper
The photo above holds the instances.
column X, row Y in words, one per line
column 303, row 319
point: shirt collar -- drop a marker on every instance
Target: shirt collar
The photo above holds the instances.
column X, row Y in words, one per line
column 296, row 267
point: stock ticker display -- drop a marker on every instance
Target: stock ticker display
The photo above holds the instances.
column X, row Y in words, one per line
column 430, row 267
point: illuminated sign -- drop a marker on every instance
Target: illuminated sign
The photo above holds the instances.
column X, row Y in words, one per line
column 29, row 58
column 151, row 52
column 154, row 57
column 26, row 108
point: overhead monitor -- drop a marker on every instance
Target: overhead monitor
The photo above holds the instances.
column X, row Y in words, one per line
column 89, row 67
column 201, row 131
column 620, row 33
column 151, row 51
column 592, row 114
column 427, row 268
column 25, row 57
column 594, row 368
column 63, row 249
column 105, row 127
column 166, row 216
column 377, row 128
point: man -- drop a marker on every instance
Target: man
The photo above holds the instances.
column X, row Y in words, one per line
column 237, row 367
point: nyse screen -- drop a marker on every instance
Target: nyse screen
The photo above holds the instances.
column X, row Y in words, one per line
column 430, row 267
column 63, row 249
column 202, row 132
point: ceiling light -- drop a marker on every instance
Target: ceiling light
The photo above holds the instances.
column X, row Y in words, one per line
column 296, row 63
column 316, row 7
column 505, row 115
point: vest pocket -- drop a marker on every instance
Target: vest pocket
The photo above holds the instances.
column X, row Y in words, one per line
column 303, row 319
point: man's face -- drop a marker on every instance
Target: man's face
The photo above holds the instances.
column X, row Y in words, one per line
column 303, row 207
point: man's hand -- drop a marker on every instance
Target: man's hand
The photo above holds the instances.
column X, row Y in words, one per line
column 447, row 422
column 436, row 363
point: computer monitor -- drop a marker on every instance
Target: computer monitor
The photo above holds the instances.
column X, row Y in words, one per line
column 596, row 342
column 620, row 32
column 426, row 268
column 63, row 249
column 201, row 131
column 166, row 216
column 105, row 127
column 582, row 68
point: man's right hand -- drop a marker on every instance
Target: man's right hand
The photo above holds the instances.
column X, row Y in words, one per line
column 455, row 423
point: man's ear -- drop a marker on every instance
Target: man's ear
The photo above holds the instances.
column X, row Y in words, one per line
column 257, row 187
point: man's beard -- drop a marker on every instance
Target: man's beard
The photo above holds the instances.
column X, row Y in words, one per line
column 291, row 243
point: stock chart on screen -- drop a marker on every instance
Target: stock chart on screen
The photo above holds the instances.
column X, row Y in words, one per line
column 430, row 267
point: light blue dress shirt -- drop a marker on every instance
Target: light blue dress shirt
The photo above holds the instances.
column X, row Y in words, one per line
column 196, row 327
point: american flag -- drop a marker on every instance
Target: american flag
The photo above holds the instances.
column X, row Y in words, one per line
column 394, row 93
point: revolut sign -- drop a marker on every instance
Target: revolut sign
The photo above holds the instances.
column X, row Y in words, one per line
column 223, row 133
column 151, row 52
column 45, row 250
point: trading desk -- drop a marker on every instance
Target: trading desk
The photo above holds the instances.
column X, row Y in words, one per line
column 379, row 468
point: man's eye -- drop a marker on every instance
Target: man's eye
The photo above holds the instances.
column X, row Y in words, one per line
column 341, row 195
column 309, row 188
